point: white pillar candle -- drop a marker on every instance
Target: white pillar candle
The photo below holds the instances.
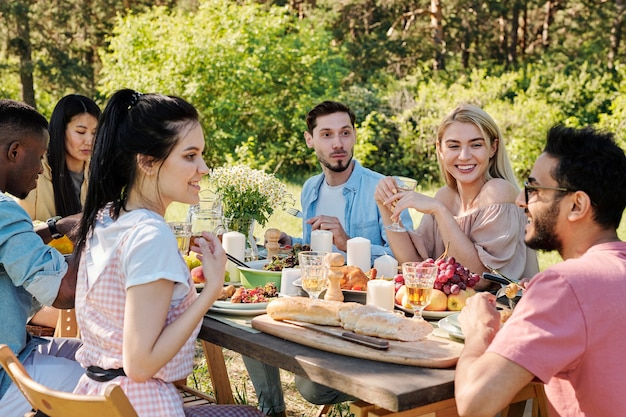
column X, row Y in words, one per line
column 386, row 266
column 359, row 253
column 288, row 277
column 234, row 244
column 380, row 292
column 322, row 241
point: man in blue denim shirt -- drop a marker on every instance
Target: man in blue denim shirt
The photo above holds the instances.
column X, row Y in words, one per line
column 340, row 199
column 31, row 272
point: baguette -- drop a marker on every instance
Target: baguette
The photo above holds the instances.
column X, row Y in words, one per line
column 364, row 319
column 387, row 325
column 310, row 310
column 350, row 316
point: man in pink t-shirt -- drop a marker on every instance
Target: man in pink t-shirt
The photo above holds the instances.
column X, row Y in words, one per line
column 565, row 329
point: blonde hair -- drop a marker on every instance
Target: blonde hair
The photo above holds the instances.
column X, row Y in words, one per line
column 499, row 164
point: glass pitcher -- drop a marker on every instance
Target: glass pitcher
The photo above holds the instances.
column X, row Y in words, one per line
column 206, row 216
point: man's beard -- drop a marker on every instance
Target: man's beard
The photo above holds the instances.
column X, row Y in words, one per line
column 336, row 168
column 545, row 237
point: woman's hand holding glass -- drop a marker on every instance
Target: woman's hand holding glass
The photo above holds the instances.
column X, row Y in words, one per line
column 397, row 200
column 213, row 257
column 389, row 192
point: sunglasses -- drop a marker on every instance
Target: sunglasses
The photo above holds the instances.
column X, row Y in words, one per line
column 528, row 188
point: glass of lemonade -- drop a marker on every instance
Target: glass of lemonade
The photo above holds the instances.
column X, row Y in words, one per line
column 182, row 231
column 419, row 280
column 314, row 272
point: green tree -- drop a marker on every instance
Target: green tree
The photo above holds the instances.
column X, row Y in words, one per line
column 52, row 45
column 252, row 71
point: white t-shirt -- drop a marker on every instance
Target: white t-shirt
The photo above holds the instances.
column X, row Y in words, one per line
column 150, row 250
column 331, row 202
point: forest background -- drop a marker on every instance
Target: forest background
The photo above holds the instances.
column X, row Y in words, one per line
column 254, row 68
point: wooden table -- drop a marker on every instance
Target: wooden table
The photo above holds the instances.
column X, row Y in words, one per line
column 393, row 387
column 384, row 388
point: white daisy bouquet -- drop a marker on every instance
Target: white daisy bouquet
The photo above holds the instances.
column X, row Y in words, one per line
column 249, row 193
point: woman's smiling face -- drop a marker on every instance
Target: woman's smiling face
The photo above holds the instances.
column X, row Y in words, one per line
column 181, row 172
column 465, row 153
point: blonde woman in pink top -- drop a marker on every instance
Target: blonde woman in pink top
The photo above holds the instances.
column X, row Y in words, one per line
column 474, row 213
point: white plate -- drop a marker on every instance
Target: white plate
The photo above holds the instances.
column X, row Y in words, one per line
column 430, row 315
column 239, row 306
column 450, row 329
column 453, row 320
column 437, row 314
column 235, row 312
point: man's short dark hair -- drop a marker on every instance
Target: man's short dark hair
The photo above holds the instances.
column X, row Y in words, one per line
column 324, row 108
column 590, row 161
column 18, row 119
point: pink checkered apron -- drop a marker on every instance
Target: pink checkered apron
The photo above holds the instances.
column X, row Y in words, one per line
column 100, row 316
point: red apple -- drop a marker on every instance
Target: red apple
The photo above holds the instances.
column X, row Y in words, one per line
column 398, row 282
column 197, row 274
column 399, row 294
column 438, row 301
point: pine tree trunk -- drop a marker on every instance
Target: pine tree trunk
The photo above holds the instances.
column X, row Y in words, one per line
column 436, row 18
column 24, row 51
column 616, row 33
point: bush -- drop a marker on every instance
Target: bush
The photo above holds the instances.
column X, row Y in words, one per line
column 253, row 72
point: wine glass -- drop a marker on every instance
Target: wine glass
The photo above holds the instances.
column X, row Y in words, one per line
column 314, row 272
column 402, row 184
column 182, row 231
column 419, row 279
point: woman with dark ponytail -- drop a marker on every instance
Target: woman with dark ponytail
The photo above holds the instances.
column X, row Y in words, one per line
column 136, row 304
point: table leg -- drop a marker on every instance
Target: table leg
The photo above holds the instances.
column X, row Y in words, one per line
column 445, row 408
column 218, row 373
column 514, row 410
column 361, row 408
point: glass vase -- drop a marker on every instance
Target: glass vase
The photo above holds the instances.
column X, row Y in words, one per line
column 246, row 226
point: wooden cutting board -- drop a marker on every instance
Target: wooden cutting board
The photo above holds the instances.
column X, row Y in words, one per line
column 434, row 352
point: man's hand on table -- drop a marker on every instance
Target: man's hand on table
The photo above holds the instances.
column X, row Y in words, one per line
column 480, row 320
column 340, row 238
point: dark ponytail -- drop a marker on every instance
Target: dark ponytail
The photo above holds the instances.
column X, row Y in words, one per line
column 132, row 124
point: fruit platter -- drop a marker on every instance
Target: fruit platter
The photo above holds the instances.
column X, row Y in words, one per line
column 453, row 285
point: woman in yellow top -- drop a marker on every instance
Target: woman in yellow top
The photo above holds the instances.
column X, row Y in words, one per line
column 62, row 186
